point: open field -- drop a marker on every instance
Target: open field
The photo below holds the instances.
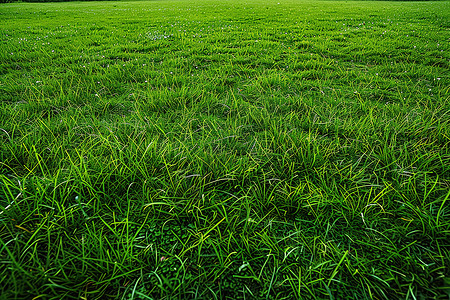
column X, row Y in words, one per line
column 225, row 150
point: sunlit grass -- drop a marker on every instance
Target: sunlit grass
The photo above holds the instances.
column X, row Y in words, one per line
column 225, row 150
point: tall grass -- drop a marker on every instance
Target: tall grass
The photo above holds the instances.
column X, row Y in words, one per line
column 205, row 150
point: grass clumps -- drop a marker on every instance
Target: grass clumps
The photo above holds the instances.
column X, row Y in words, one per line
column 160, row 150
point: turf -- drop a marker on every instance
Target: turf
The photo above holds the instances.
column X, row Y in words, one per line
column 225, row 150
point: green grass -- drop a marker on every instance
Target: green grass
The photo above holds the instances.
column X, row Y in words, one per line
column 225, row 150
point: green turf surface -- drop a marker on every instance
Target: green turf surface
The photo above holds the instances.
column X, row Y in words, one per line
column 225, row 150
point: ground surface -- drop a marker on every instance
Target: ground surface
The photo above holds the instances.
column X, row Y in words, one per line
column 225, row 149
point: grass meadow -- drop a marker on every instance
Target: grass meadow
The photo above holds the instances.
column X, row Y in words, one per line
column 225, row 150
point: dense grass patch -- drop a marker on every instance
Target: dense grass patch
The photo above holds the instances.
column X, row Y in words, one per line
column 197, row 149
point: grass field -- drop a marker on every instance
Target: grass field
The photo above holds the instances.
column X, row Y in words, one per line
column 225, row 150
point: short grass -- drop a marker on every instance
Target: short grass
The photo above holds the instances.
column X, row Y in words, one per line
column 225, row 150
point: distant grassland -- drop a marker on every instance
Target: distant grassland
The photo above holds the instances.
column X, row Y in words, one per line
column 225, row 150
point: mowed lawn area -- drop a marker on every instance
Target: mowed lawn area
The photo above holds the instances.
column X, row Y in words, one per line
column 225, row 150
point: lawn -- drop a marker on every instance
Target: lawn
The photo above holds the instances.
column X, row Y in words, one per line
column 225, row 150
